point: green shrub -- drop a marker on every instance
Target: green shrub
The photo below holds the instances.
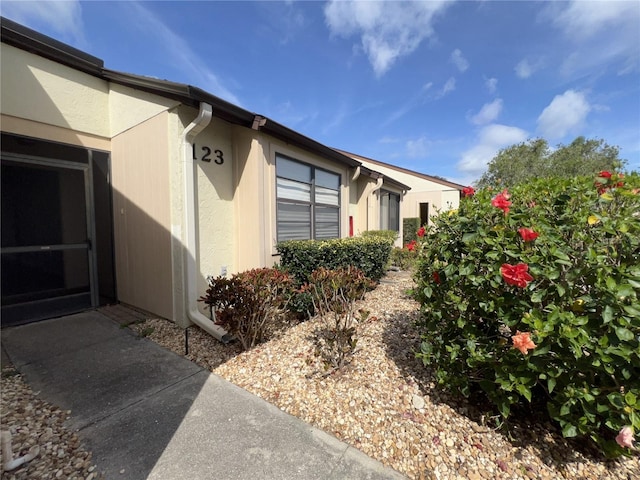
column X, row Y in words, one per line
column 334, row 294
column 550, row 320
column 389, row 235
column 410, row 228
column 404, row 258
column 301, row 257
column 250, row 305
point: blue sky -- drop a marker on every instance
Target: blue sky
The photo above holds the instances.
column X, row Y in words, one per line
column 437, row 87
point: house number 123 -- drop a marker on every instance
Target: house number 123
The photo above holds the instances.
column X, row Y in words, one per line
column 205, row 154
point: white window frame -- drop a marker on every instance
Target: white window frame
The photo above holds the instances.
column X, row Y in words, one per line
column 313, row 204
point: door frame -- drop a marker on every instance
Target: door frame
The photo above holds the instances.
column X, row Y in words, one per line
column 89, row 212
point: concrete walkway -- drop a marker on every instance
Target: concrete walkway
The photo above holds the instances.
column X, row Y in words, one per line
column 145, row 412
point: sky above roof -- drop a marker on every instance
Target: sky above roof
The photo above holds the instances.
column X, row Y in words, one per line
column 436, row 87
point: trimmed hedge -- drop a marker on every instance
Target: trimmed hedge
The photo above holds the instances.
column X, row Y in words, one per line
column 410, row 228
column 301, row 257
column 390, row 235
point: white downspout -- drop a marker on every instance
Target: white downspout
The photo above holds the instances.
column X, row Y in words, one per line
column 190, row 218
column 370, row 202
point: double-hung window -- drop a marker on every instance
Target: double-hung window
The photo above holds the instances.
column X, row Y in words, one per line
column 308, row 201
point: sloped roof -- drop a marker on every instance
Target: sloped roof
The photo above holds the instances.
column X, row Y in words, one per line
column 19, row 36
column 441, row 181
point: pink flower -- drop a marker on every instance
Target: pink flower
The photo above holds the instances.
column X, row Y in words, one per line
column 522, row 341
column 625, row 437
column 411, row 246
column 527, row 234
column 421, row 231
column 502, row 201
column 516, row 274
column 468, row 192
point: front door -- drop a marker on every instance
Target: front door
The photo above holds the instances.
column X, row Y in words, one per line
column 48, row 266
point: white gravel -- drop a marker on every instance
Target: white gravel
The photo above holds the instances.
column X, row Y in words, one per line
column 32, row 422
column 386, row 404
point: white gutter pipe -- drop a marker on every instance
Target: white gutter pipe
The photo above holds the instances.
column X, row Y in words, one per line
column 190, row 219
column 370, row 200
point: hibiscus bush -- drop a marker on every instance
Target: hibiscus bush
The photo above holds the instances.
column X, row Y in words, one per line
column 532, row 297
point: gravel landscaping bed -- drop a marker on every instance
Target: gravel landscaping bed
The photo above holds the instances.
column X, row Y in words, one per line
column 33, row 422
column 385, row 402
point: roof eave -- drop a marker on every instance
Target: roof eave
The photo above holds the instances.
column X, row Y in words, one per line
column 19, row 36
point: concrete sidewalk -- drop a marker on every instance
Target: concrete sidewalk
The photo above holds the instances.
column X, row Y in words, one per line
column 149, row 412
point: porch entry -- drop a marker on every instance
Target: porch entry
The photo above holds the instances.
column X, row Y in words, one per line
column 49, row 253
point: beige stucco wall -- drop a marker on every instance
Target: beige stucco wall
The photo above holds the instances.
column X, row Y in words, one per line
column 439, row 197
column 438, row 202
column 215, row 207
column 413, row 181
column 38, row 89
column 142, row 216
column 129, row 107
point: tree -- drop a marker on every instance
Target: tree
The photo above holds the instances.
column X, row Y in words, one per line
column 534, row 159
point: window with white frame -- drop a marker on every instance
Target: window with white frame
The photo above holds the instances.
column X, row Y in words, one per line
column 308, row 201
column 389, row 211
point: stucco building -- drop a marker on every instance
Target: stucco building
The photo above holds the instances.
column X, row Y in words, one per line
column 119, row 187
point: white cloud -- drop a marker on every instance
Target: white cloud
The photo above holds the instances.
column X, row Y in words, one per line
column 449, row 86
column 387, row 30
column 490, row 139
column 488, row 113
column 418, row 148
column 459, row 61
column 63, row 17
column 179, row 53
column 388, row 139
column 582, row 19
column 565, row 114
column 527, row 67
column 599, row 34
column 491, row 84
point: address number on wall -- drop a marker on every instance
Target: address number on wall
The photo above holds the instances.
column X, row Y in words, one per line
column 205, row 154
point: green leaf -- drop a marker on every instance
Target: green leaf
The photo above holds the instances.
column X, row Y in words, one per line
column 634, row 312
column 616, row 400
column 624, row 334
column 524, row 391
column 536, row 297
column 630, row 398
column 607, row 314
column 469, row 237
column 611, row 283
column 569, row 430
column 551, row 384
